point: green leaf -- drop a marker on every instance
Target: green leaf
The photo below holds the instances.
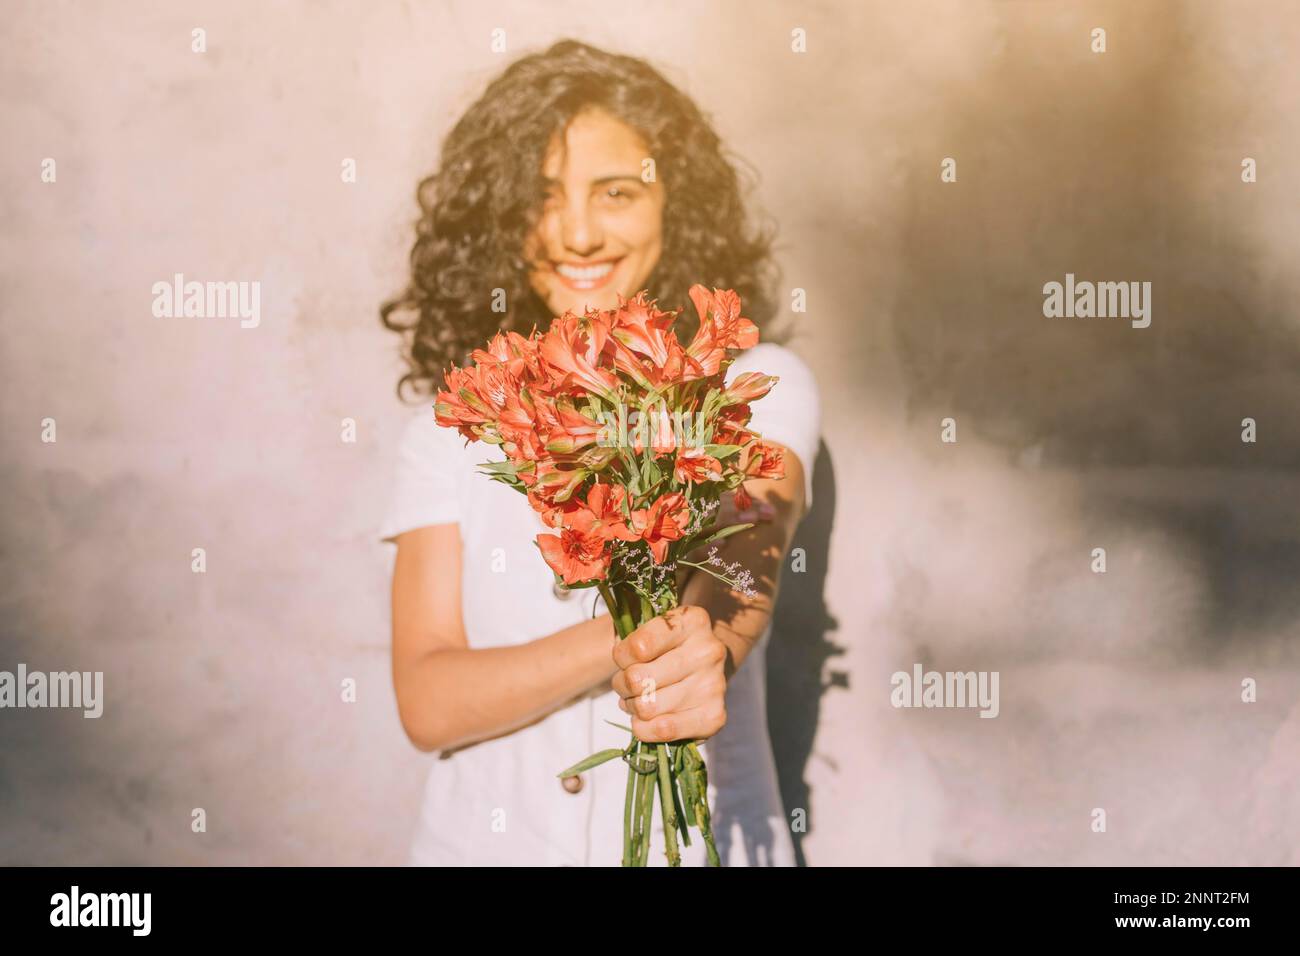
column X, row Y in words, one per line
column 595, row 760
column 619, row 726
column 511, row 481
column 634, row 473
column 725, row 532
column 721, row 451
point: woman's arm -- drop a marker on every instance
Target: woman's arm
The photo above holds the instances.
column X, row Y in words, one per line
column 449, row 695
column 739, row 621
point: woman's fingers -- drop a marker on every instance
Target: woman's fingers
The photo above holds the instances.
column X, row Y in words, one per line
column 655, row 700
column 651, row 640
column 670, row 668
column 698, row 723
column 654, row 676
column 698, row 689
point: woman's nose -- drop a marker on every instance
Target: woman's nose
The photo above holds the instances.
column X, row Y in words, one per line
column 581, row 232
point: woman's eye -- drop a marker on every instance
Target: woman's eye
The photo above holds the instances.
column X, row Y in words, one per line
column 617, row 194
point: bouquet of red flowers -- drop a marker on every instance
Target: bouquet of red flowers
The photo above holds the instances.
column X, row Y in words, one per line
column 625, row 441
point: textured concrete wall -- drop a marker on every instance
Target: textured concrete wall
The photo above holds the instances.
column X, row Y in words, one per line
column 1119, row 691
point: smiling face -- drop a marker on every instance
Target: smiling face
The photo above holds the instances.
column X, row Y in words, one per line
column 601, row 228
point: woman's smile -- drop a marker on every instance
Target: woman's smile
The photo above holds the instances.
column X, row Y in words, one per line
column 587, row 276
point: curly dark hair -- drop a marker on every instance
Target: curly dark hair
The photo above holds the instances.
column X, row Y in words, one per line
column 486, row 197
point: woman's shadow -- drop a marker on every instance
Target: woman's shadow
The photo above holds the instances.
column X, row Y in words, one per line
column 798, row 652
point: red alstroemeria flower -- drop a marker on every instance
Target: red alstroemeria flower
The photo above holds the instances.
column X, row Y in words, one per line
column 554, row 514
column 748, row 387
column 546, row 413
column 761, row 460
column 663, row 522
column 729, row 427
column 705, row 353
column 494, row 386
column 575, row 555
column 604, row 513
column 574, row 431
column 459, row 405
column 677, row 365
column 721, row 309
column 521, row 443
column 578, row 552
column 572, row 349
column 643, row 328
column 559, row 484
column 517, row 354
column 722, row 327
column 695, row 465
column 517, row 425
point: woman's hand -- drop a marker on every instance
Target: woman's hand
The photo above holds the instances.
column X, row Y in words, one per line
column 671, row 677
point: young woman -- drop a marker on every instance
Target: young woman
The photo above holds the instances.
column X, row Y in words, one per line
column 542, row 204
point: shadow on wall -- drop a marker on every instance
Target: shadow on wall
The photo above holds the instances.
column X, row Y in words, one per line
column 1121, row 689
column 1107, row 168
column 799, row 651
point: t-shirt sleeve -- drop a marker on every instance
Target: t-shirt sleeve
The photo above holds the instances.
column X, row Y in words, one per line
column 790, row 414
column 425, row 489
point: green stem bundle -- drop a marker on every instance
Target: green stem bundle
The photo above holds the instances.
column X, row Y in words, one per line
column 673, row 772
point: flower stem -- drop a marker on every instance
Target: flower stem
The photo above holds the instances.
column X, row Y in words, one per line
column 647, row 815
column 627, row 805
column 668, row 807
column 652, row 767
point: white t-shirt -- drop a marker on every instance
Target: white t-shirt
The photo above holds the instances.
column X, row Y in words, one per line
column 499, row 802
